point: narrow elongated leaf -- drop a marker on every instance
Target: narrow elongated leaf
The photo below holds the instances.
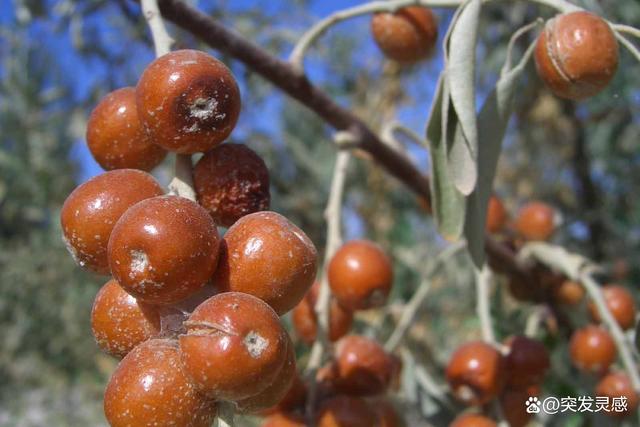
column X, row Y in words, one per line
column 493, row 120
column 447, row 202
column 461, row 65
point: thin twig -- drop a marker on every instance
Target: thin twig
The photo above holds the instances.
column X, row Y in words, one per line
column 514, row 38
column 411, row 308
column 161, row 38
column 390, row 129
column 630, row 46
column 333, row 216
column 632, row 31
column 483, row 307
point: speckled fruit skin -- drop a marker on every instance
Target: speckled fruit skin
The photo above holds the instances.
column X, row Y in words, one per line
column 615, row 385
column 149, row 388
column 276, row 391
column 476, row 373
column 360, row 275
column 473, row 420
column 568, row 293
column 592, row 349
column 362, row 366
column 119, row 323
column 576, row 55
column 267, row 256
column 116, row 137
column 231, row 181
column 620, row 303
column 527, row 362
column 188, row 101
column 282, row 419
column 305, row 321
column 164, row 249
column 408, row 35
column 234, row 346
column 496, row 215
column 345, row 411
column 92, row 209
column 536, row 221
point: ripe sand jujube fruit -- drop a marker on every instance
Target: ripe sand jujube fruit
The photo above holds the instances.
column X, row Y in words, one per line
column 119, row 323
column 116, row 137
column 305, row 321
column 407, row 35
column 536, row 221
column 93, row 208
column 231, row 181
column 267, row 256
column 616, row 385
column 568, row 292
column 476, row 373
column 592, row 349
column 276, row 391
column 149, row 388
column 527, row 361
column 362, row 366
column 188, row 101
column 496, row 215
column 164, row 249
column 473, row 420
column 576, row 55
column 360, row 275
column 234, row 346
column 345, row 411
column 620, row 303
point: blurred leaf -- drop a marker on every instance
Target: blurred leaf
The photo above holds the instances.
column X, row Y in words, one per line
column 493, row 119
column 448, row 204
column 461, row 65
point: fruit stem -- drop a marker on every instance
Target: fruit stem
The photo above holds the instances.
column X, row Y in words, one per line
column 411, row 308
column 226, row 412
column 182, row 183
column 483, row 307
column 161, row 38
column 333, row 216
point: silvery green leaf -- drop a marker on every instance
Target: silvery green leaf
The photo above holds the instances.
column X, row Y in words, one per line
column 447, row 202
column 493, row 120
column 463, row 148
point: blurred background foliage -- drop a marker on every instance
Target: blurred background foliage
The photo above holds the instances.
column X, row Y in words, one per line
column 59, row 57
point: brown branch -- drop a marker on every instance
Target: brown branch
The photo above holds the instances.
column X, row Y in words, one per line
column 294, row 83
